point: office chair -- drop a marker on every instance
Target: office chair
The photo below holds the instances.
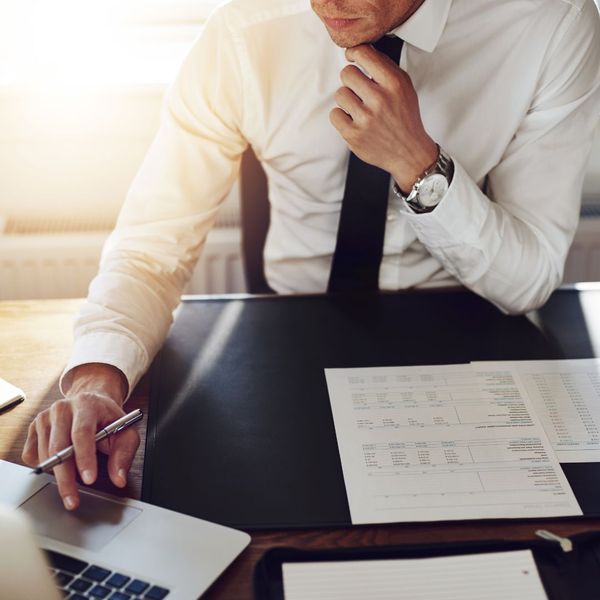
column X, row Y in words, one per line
column 255, row 218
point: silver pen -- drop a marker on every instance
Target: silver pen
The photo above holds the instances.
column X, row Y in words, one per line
column 116, row 426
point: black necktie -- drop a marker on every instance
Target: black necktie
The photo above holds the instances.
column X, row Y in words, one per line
column 359, row 246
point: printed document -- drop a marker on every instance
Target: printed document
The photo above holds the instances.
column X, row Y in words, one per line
column 566, row 397
column 492, row 576
column 441, row 443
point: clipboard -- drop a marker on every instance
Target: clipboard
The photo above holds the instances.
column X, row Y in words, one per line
column 240, row 430
column 564, row 575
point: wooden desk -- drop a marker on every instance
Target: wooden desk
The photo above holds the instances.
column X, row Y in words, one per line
column 35, row 339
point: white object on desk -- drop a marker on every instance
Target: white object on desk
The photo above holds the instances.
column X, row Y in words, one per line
column 442, row 443
column 9, row 394
column 491, row 576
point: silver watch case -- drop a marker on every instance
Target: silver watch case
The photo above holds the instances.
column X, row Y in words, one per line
column 431, row 187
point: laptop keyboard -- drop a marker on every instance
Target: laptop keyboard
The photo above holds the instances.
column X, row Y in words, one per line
column 79, row 580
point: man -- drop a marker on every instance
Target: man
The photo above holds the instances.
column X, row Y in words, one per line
column 508, row 90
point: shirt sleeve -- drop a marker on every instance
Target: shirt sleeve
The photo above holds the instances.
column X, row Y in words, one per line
column 510, row 243
column 168, row 212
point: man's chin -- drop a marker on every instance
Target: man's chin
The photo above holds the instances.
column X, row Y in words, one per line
column 344, row 40
column 349, row 39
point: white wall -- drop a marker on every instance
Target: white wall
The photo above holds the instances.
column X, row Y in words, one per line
column 62, row 156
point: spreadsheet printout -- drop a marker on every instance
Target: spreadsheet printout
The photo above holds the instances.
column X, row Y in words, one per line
column 490, row 576
column 442, row 443
column 566, row 397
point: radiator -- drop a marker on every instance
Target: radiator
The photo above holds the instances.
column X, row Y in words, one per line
column 61, row 265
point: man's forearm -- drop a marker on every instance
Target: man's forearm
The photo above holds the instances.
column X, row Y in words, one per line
column 513, row 263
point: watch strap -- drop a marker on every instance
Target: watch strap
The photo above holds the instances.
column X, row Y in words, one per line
column 443, row 166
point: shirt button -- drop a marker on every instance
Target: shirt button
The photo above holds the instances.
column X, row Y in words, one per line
column 393, row 215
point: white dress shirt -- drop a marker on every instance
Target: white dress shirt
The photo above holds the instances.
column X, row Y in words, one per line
column 509, row 89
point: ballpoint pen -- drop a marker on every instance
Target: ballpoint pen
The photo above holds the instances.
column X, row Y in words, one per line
column 66, row 453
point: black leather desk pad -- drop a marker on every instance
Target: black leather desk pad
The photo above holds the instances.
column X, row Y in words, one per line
column 240, row 429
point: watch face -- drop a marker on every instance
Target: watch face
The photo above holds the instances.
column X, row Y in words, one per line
column 432, row 190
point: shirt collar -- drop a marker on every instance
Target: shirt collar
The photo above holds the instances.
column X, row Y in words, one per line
column 424, row 29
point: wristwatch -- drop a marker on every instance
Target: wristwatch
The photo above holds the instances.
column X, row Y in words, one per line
column 430, row 187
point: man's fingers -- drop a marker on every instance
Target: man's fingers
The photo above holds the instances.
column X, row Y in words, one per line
column 380, row 67
column 60, row 427
column 353, row 78
column 94, row 400
column 349, row 102
column 340, row 120
column 83, row 434
column 122, row 451
column 42, row 432
column 59, row 439
column 67, row 486
column 29, row 454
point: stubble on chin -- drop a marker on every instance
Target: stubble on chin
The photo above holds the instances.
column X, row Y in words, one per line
column 341, row 40
column 351, row 39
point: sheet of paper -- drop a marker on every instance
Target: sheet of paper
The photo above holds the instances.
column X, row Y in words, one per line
column 443, row 442
column 493, row 576
column 566, row 397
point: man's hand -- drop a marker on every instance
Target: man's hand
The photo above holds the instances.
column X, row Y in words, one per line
column 93, row 401
column 380, row 117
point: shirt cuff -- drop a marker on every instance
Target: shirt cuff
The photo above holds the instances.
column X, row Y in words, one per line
column 108, row 348
column 457, row 219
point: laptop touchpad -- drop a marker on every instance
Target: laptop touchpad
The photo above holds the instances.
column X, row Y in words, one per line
column 91, row 526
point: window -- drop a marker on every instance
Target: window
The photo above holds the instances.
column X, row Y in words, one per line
column 57, row 43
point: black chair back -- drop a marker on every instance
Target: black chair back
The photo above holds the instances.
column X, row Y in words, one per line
column 255, row 218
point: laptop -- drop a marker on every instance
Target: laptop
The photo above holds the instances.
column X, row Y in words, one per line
column 110, row 547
